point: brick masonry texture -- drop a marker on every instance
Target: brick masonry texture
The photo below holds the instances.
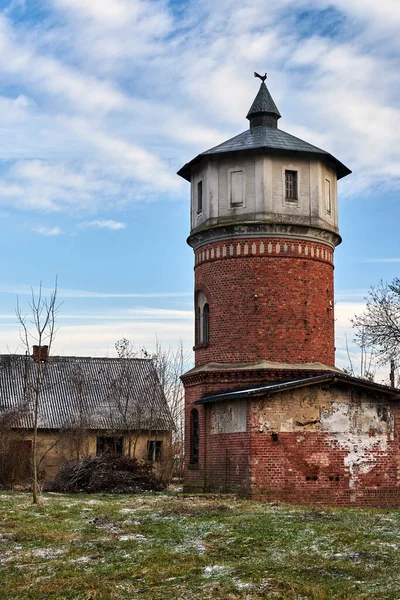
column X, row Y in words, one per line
column 307, row 465
column 272, row 299
column 274, row 306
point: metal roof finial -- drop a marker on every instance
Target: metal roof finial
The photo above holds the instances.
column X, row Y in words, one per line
column 262, row 77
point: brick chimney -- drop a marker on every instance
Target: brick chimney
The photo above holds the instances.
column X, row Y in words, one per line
column 40, row 354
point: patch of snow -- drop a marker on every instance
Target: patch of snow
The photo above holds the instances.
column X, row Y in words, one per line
column 136, row 536
column 47, row 552
column 241, row 585
column 215, row 571
column 82, row 559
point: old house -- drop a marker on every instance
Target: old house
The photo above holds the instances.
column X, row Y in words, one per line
column 87, row 406
column 267, row 413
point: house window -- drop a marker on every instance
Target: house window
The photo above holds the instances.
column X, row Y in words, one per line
column 236, row 186
column 154, row 450
column 291, row 186
column 110, row 445
column 203, row 319
column 328, row 200
column 199, row 197
column 194, row 437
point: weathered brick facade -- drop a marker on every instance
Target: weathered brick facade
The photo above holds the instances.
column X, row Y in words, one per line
column 269, row 300
column 267, row 413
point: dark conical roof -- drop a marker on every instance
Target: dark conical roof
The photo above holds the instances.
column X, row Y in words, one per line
column 263, row 104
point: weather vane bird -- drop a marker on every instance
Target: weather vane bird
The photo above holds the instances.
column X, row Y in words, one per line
column 262, row 77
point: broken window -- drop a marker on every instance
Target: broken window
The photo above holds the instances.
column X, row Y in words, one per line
column 154, row 450
column 194, row 437
column 110, row 445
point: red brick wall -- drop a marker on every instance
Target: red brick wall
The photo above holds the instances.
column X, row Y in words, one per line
column 281, row 470
column 223, row 458
column 265, row 305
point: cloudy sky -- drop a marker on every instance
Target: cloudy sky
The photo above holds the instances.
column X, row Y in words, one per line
column 102, row 101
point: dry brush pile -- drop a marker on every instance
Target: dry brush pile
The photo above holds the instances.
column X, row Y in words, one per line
column 106, row 473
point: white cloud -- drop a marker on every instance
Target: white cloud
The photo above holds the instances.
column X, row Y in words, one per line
column 142, row 326
column 49, row 231
column 381, row 260
column 117, row 94
column 23, row 290
column 104, row 224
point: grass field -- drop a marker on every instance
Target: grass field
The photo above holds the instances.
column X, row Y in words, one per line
column 165, row 546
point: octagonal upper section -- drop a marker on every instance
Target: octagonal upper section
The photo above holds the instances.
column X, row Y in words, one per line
column 252, row 187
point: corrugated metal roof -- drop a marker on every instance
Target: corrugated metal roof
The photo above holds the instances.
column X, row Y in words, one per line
column 296, row 383
column 101, row 393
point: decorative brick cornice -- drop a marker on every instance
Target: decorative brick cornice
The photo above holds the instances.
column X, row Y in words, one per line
column 276, row 247
column 229, row 233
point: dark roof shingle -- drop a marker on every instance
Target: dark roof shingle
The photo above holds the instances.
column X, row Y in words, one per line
column 270, row 139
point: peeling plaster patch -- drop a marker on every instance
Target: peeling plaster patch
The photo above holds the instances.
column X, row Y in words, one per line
column 263, row 425
column 228, row 417
column 287, row 426
column 349, row 426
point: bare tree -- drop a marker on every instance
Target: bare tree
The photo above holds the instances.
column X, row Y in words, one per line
column 378, row 327
column 38, row 327
column 124, row 409
column 169, row 365
column 367, row 363
column 13, row 463
column 76, row 427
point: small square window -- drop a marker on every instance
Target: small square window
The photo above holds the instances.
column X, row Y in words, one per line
column 291, row 186
column 199, row 197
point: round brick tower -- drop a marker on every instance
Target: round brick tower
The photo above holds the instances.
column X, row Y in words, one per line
column 263, row 229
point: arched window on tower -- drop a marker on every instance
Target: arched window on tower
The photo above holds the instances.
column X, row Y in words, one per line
column 203, row 319
column 194, row 437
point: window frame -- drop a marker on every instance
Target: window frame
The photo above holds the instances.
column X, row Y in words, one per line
column 328, row 196
column 293, row 199
column 199, row 196
column 115, row 447
column 235, row 205
column 203, row 319
column 154, row 450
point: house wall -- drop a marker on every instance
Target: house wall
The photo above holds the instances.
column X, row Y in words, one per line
column 55, row 448
column 336, row 446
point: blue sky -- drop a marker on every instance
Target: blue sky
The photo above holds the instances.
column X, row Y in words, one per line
column 102, row 101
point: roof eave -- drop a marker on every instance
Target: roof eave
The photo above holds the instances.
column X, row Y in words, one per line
column 332, row 378
column 332, row 162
